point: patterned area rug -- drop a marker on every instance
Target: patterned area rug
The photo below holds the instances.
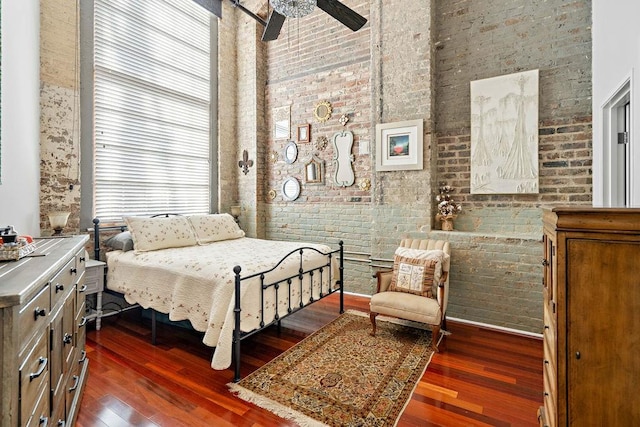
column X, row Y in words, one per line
column 342, row 376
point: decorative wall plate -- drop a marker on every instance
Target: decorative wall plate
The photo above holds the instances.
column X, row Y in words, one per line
column 322, row 111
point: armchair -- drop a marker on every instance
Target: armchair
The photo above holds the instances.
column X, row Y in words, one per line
column 413, row 307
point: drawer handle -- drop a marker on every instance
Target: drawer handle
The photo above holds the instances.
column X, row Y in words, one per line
column 578, row 355
column 67, row 338
column 83, row 358
column 545, row 262
column 61, row 423
column 546, row 362
column 82, row 259
column 39, row 312
column 44, row 421
column 82, row 288
column 74, row 270
column 75, row 386
column 43, row 365
column 83, row 322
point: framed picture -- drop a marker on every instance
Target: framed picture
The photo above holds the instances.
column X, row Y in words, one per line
column 303, row 133
column 399, row 146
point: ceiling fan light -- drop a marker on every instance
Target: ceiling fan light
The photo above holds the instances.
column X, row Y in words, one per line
column 293, row 8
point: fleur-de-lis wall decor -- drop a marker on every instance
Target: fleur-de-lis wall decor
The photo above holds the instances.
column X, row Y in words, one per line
column 245, row 163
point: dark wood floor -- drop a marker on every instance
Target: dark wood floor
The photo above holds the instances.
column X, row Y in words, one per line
column 479, row 378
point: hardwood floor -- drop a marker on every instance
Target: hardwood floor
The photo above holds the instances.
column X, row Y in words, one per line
column 479, row 378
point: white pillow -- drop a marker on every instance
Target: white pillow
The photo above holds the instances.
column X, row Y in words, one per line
column 215, row 227
column 150, row 234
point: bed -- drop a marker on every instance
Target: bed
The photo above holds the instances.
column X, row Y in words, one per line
column 203, row 269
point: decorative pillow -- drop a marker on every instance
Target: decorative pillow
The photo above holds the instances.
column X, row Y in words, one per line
column 150, row 234
column 120, row 242
column 215, row 227
column 417, row 271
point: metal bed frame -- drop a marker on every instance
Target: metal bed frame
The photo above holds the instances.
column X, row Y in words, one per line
column 238, row 335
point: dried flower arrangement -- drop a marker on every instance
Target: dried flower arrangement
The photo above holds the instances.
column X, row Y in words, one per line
column 447, row 208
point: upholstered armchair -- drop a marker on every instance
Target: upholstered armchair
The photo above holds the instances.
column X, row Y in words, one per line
column 429, row 309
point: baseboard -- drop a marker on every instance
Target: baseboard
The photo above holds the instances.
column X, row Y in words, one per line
column 479, row 324
column 495, row 327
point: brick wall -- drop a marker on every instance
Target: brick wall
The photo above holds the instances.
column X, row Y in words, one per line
column 60, row 112
column 476, row 41
column 317, row 59
column 410, row 61
column 496, row 250
column 496, row 273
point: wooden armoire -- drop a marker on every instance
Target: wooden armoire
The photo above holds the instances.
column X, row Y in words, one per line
column 591, row 317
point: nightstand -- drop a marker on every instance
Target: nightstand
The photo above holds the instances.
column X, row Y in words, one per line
column 94, row 282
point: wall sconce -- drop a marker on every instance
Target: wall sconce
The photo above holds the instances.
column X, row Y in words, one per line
column 58, row 221
column 236, row 210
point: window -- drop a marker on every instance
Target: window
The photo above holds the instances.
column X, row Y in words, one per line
column 152, row 96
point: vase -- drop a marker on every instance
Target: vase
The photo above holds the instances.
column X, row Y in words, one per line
column 447, row 224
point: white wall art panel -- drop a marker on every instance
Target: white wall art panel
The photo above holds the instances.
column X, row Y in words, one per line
column 504, row 134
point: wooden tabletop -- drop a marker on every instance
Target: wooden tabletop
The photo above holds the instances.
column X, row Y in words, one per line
column 21, row 279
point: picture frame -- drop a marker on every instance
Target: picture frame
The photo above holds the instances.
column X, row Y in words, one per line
column 304, row 133
column 399, row 146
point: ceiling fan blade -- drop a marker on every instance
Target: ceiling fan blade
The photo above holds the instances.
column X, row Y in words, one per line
column 342, row 13
column 273, row 27
column 213, row 6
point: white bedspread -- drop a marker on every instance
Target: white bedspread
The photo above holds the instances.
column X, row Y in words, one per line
column 196, row 283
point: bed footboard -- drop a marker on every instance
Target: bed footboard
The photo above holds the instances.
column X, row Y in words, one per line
column 303, row 273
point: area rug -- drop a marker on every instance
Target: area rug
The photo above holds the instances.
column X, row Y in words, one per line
column 341, row 375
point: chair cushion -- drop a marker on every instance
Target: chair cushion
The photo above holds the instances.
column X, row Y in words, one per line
column 406, row 306
column 417, row 271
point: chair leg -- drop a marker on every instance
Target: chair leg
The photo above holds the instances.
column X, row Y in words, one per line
column 435, row 336
column 372, row 316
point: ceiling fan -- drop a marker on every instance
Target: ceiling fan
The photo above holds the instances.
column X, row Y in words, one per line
column 283, row 9
column 336, row 9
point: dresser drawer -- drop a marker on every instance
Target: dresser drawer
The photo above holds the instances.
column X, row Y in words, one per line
column 34, row 375
column 62, row 283
column 40, row 416
column 549, row 399
column 33, row 316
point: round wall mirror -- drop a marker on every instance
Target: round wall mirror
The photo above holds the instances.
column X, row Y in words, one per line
column 290, row 152
column 290, row 189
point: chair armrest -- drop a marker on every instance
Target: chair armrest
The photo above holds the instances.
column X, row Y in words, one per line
column 384, row 280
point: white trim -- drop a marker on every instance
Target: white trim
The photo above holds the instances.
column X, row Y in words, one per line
column 496, row 327
column 605, row 163
column 471, row 322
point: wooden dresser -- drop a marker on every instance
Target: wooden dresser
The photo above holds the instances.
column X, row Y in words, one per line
column 43, row 364
column 591, row 317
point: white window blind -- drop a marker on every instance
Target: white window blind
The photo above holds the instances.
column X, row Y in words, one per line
column 151, row 108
